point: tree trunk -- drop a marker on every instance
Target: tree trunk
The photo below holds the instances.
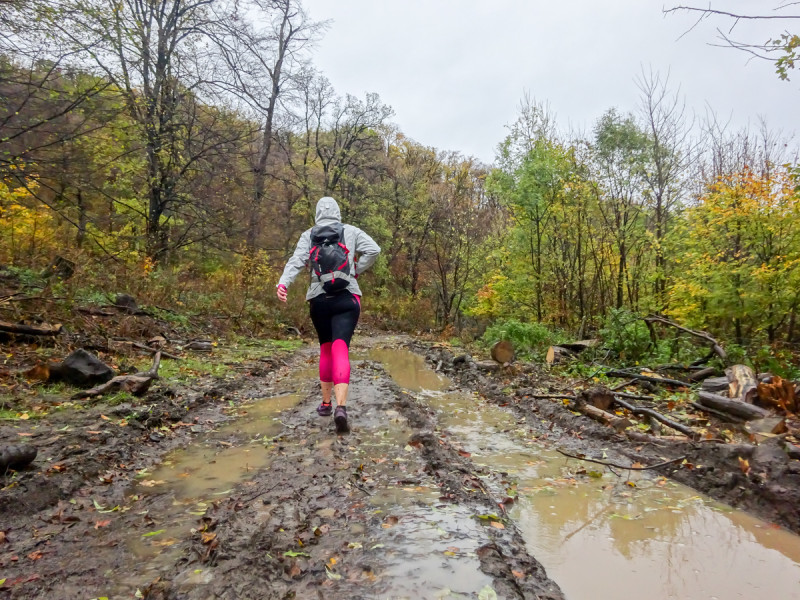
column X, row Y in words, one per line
column 732, row 407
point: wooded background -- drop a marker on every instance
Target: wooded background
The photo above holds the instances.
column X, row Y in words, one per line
column 175, row 150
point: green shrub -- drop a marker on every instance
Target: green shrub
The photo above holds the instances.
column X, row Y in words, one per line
column 529, row 339
column 625, row 334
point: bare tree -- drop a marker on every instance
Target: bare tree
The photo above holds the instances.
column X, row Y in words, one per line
column 155, row 53
column 783, row 50
column 664, row 116
column 263, row 56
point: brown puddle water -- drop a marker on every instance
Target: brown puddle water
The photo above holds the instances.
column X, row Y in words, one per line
column 602, row 539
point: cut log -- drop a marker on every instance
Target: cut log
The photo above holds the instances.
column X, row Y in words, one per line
column 598, row 397
column 731, row 406
column 618, row 423
column 126, row 302
column 702, row 374
column 558, row 354
column 778, row 393
column 19, row 328
column 487, row 365
column 742, row 383
column 715, row 385
column 503, row 352
column 580, row 345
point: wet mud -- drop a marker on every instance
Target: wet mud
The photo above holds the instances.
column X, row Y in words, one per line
column 448, row 486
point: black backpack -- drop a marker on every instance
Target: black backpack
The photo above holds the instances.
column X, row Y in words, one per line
column 329, row 257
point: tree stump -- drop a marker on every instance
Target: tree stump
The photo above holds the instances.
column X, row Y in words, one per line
column 742, row 383
column 503, row 352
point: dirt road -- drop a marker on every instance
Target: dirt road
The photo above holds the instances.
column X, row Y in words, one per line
column 233, row 487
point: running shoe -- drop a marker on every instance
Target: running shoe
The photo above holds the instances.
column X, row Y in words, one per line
column 325, row 409
column 340, row 418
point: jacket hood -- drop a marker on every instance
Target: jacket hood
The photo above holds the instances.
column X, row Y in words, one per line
column 327, row 211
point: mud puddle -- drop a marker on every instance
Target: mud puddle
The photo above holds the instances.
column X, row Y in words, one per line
column 179, row 491
column 606, row 537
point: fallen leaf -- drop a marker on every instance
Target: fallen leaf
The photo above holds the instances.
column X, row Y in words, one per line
column 2, row 537
column 292, row 554
column 105, row 418
column 390, row 521
column 637, row 465
column 518, row 574
column 744, row 465
column 35, row 555
column 331, row 574
column 103, row 523
column 24, row 417
column 208, row 537
column 152, row 533
column 464, row 453
column 497, row 525
column 487, row 593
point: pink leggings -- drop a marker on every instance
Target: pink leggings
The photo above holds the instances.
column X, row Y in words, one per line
column 335, row 319
column 334, row 362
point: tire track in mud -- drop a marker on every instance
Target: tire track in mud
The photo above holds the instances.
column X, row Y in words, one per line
column 389, row 511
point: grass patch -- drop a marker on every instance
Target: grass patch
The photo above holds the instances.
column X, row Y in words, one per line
column 9, row 415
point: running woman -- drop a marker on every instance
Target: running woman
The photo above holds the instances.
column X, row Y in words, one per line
column 334, row 298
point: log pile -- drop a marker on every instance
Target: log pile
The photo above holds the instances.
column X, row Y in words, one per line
column 763, row 401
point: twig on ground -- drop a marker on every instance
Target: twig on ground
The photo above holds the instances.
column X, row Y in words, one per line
column 618, row 466
column 637, row 410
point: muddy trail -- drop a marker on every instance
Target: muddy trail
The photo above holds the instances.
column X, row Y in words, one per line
column 447, row 486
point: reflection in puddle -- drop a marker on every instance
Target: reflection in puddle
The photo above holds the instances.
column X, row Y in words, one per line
column 601, row 539
column 408, row 369
column 432, row 555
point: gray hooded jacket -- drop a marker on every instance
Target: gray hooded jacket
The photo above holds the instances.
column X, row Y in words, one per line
column 356, row 241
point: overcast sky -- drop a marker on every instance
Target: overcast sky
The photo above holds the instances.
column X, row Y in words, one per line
column 455, row 71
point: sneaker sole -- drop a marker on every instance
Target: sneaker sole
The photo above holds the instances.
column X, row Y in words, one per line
column 341, row 424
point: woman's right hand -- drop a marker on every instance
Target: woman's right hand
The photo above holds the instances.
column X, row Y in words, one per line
column 281, row 291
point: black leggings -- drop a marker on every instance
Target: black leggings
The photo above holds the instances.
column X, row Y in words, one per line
column 335, row 316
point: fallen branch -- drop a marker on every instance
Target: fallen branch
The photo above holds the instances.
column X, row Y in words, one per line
column 618, row 466
column 633, row 396
column 18, row 328
column 640, row 377
column 137, row 384
column 624, row 384
column 638, row 410
column 715, row 346
column 717, row 413
column 746, row 411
